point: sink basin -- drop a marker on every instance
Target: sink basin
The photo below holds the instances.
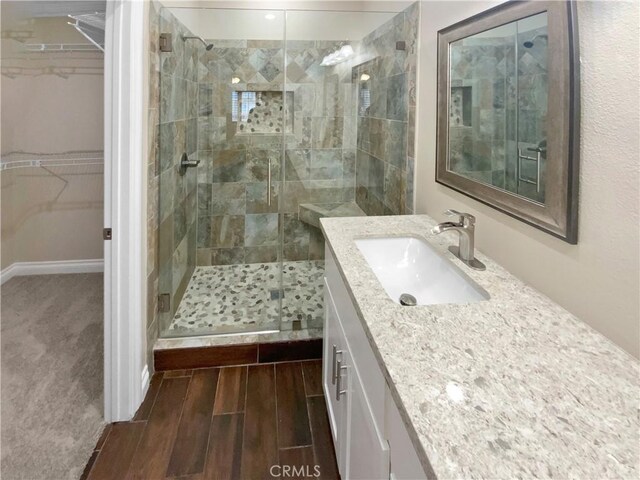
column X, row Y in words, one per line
column 410, row 265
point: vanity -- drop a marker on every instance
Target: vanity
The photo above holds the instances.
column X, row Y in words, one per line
column 486, row 379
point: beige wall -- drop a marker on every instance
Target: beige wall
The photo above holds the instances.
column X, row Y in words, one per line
column 44, row 218
column 598, row 279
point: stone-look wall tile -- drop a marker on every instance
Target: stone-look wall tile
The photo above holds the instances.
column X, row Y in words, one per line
column 349, row 167
column 295, row 251
column 294, row 230
column 191, row 138
column 297, row 164
column 326, row 132
column 229, row 166
column 167, row 132
column 227, row 231
column 410, row 179
column 227, row 256
column 166, row 194
column 323, row 106
column 326, row 164
column 203, row 256
column 179, row 266
column 261, row 254
column 386, row 116
column 394, row 189
column 173, row 92
column 228, row 198
column 261, row 229
column 205, row 100
column 411, row 133
column 204, row 199
column 204, row 237
column 316, row 244
column 257, row 166
column 257, row 200
column 180, row 222
column 395, row 143
column 397, row 97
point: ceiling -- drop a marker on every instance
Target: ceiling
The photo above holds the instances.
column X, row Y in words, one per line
column 63, row 8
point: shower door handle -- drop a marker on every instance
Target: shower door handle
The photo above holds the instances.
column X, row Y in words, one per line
column 537, row 159
column 269, row 184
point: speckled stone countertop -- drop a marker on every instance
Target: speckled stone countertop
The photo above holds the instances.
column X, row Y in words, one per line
column 512, row 387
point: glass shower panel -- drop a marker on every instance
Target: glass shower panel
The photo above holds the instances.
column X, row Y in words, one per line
column 274, row 134
column 177, row 133
column 326, row 55
column 239, row 105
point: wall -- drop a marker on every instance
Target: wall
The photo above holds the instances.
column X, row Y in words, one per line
column 386, row 116
column 150, row 155
column 597, row 280
column 235, row 223
column 52, row 106
column 177, row 190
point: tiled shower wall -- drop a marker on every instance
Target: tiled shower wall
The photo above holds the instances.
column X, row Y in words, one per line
column 153, row 179
column 478, row 126
column 178, row 135
column 235, row 223
column 386, row 111
column 320, row 150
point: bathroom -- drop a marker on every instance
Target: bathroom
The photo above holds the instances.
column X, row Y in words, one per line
column 369, row 240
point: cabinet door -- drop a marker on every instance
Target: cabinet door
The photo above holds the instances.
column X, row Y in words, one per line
column 332, row 338
column 403, row 459
column 368, row 450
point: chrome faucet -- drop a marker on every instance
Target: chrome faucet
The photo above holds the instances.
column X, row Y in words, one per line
column 465, row 228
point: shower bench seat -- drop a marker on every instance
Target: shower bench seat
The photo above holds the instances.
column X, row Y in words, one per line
column 311, row 213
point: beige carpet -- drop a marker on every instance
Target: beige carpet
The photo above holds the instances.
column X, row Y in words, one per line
column 51, row 368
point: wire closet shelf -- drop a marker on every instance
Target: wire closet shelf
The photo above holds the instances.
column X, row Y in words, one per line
column 17, row 160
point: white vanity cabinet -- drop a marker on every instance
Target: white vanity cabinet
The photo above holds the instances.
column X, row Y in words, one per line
column 368, row 433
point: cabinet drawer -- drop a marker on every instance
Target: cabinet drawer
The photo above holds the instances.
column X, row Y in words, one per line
column 359, row 346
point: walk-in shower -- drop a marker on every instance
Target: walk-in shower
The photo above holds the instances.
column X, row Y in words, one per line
column 286, row 117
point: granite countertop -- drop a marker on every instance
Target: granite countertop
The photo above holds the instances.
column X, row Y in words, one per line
column 511, row 387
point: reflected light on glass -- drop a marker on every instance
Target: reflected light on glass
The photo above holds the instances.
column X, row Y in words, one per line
column 338, row 56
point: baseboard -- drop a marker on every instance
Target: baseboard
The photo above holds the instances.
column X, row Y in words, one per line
column 48, row 268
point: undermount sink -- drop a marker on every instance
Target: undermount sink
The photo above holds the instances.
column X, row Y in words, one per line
column 408, row 265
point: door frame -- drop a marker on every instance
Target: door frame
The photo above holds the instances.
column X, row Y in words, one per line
column 126, row 374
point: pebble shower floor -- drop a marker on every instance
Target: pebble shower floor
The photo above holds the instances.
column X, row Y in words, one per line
column 243, row 298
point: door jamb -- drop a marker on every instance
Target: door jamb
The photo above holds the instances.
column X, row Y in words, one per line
column 126, row 374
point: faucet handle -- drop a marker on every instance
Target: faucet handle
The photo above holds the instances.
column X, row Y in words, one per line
column 465, row 219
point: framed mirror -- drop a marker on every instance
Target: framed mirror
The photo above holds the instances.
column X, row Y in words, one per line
column 508, row 112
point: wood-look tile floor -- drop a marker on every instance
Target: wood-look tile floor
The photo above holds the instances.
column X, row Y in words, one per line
column 223, row 423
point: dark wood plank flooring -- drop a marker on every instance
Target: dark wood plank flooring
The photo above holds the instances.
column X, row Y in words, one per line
column 247, row 422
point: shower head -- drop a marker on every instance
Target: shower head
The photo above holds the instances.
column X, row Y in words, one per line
column 207, row 46
column 530, row 43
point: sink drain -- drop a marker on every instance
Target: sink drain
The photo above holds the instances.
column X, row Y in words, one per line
column 408, row 300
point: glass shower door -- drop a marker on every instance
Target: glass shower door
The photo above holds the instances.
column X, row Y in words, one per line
column 235, row 286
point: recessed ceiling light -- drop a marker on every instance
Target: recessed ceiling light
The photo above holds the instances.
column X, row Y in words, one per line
column 270, row 16
column 235, row 80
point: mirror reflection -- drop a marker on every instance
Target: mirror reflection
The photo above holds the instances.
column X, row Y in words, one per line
column 498, row 107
